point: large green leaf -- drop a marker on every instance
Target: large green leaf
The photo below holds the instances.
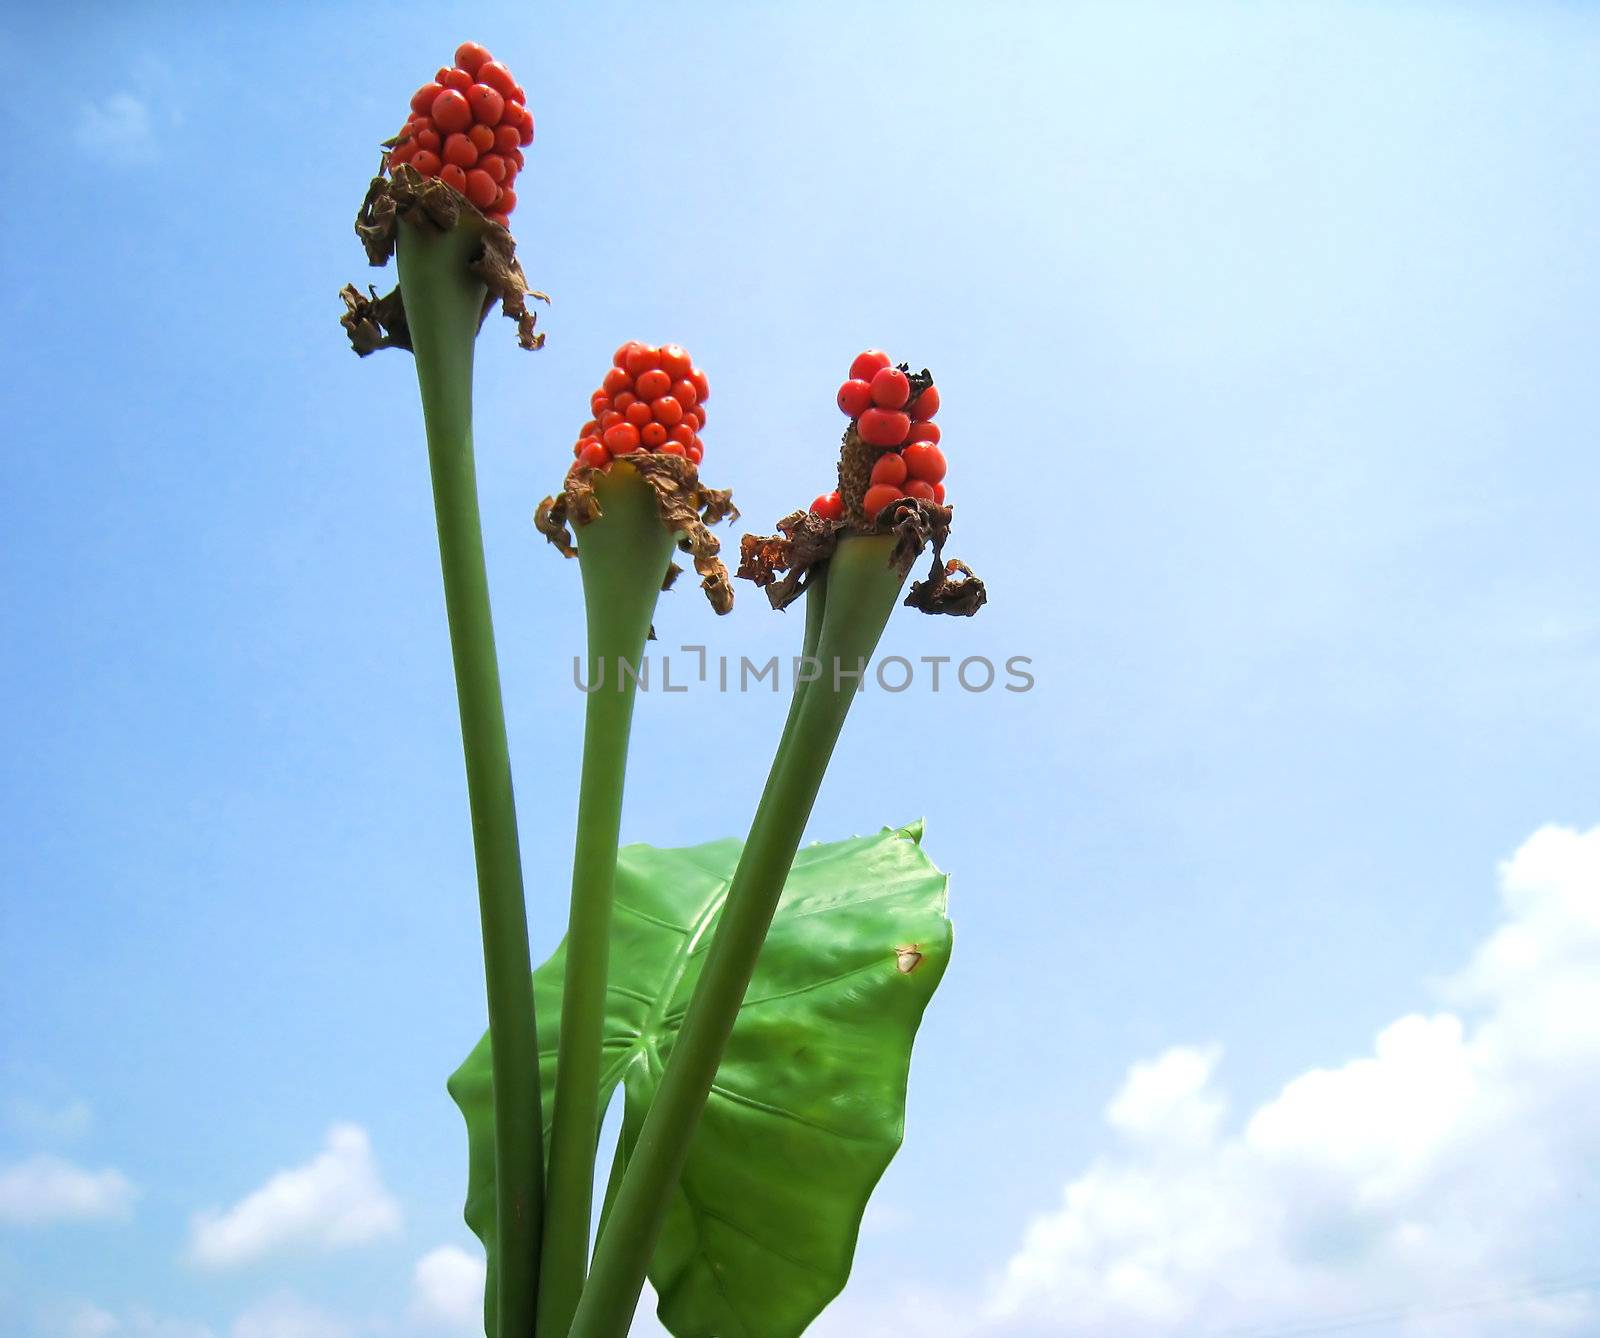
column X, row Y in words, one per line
column 809, row 1102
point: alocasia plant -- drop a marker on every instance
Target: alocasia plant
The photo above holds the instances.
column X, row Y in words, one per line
column 756, row 1002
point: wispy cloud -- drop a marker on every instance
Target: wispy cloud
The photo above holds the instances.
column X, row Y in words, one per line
column 130, row 125
column 82, row 1319
column 118, row 128
column 447, row 1291
column 286, row 1317
column 334, row 1201
column 48, row 1189
column 41, row 1122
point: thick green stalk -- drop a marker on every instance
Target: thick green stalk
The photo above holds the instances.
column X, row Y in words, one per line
column 443, row 301
column 624, row 557
column 862, row 590
column 816, row 597
column 816, row 604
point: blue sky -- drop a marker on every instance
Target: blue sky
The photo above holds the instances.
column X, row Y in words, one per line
column 1266, row 338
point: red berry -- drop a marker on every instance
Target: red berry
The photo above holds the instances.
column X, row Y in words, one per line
column 675, row 362
column 428, row 138
column 616, row 381
column 890, row 469
column 924, row 432
column 855, row 398
column 891, row 388
column 642, row 358
column 519, row 94
column 683, row 433
column 451, row 110
column 652, row 383
column 878, row 497
column 482, row 138
column 926, row 404
column 938, row 493
column 638, row 413
column 589, row 429
column 608, row 420
column 505, row 137
column 685, row 393
column 924, row 461
column 507, row 200
column 621, row 438
column 426, row 161
column 492, row 163
column 481, row 189
column 453, row 176
column 653, row 435
column 599, row 402
column 695, row 416
column 487, row 105
column 620, row 357
column 830, row 506
column 666, row 410
column 920, row 489
column 696, row 452
column 470, row 56
column 701, row 385
column 458, row 149
column 457, row 79
column 622, row 400
column 422, row 99
column 497, row 77
column 674, row 447
column 883, row 427
column 401, row 153
column 868, row 364
column 592, row 452
column 519, row 116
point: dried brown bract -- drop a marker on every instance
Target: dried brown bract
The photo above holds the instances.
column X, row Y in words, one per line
column 373, row 322
column 804, row 541
column 688, row 508
column 782, row 564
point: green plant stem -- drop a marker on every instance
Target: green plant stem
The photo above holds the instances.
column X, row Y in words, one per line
column 624, row 556
column 443, row 302
column 862, row 590
column 816, row 604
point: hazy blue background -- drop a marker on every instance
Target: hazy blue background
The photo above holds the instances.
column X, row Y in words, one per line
column 1267, row 338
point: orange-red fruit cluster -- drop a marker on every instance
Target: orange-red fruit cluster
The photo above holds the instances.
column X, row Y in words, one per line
column 652, row 399
column 468, row 127
column 877, row 399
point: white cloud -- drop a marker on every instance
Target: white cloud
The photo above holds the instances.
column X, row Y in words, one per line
column 50, row 1124
column 84, row 1320
column 48, row 1189
column 447, row 1290
column 118, row 127
column 1437, row 1185
column 335, row 1200
column 285, row 1317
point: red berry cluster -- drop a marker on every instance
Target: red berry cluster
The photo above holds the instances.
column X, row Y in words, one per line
column 652, row 399
column 878, row 400
column 468, row 127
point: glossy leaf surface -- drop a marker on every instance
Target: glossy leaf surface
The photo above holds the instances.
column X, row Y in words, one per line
column 809, row 1103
